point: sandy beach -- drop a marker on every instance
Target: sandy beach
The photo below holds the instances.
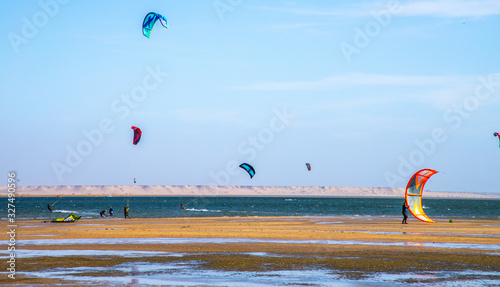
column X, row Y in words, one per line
column 354, row 248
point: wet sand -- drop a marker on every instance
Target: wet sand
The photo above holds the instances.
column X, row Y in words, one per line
column 353, row 246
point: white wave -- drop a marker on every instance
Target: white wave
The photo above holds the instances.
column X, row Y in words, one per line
column 80, row 213
column 63, row 211
column 202, row 210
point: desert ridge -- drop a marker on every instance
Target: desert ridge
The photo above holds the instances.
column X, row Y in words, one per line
column 243, row 191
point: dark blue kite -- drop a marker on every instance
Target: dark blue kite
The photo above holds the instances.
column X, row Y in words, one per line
column 248, row 168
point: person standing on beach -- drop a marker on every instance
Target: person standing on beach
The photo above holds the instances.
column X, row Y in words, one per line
column 111, row 212
column 404, row 214
column 125, row 211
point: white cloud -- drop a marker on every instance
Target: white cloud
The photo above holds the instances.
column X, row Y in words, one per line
column 357, row 79
column 439, row 92
column 307, row 11
column 439, row 8
column 451, row 8
column 298, row 26
column 205, row 115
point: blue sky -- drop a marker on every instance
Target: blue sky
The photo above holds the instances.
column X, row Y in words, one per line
column 368, row 92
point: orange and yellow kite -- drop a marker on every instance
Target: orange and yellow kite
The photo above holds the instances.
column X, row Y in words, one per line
column 413, row 195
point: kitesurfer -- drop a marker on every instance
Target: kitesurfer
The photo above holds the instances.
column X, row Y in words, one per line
column 404, row 214
column 48, row 206
column 182, row 207
column 103, row 213
column 125, row 211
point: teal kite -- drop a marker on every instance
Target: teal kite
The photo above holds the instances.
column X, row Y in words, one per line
column 248, row 168
column 149, row 22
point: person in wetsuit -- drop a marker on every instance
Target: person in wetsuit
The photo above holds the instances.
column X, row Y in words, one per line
column 48, row 206
column 125, row 211
column 405, row 216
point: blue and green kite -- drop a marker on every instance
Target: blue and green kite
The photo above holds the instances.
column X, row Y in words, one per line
column 149, row 22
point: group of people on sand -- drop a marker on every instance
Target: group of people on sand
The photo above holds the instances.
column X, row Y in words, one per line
column 111, row 214
column 103, row 213
column 125, row 211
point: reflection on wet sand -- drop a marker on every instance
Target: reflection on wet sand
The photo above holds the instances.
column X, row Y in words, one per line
column 326, row 251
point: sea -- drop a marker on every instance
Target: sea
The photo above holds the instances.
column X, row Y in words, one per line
column 167, row 207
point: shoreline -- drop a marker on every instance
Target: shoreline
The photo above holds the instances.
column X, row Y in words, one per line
column 231, row 191
column 248, row 195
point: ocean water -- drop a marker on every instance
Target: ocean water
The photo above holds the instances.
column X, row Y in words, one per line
column 163, row 207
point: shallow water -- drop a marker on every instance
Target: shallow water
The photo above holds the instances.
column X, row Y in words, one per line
column 246, row 240
column 432, row 234
column 29, row 253
column 187, row 272
column 190, row 274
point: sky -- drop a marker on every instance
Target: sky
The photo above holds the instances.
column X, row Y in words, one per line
column 367, row 92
